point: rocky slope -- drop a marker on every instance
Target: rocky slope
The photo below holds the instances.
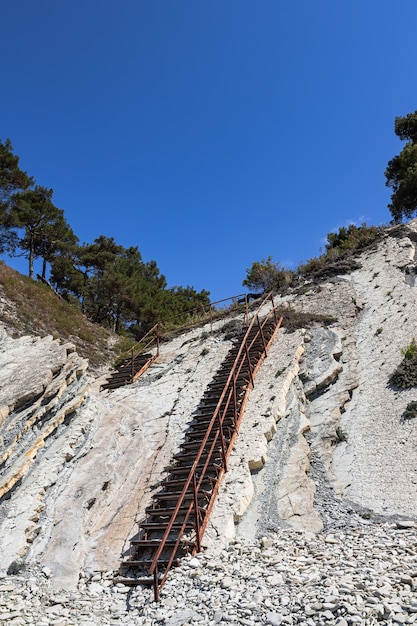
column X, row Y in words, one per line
column 323, row 448
column 362, row 575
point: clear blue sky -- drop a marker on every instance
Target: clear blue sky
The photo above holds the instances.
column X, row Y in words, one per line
column 209, row 134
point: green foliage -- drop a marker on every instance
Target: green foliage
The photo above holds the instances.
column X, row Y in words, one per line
column 409, row 352
column 341, row 248
column 16, row 568
column 351, row 238
column 405, row 376
column 12, row 178
column 324, row 267
column 12, row 181
column 340, row 435
column 410, row 411
column 401, row 172
column 116, row 288
column 231, row 329
column 293, row 320
column 109, row 283
column 267, row 276
column 42, row 223
column 280, row 371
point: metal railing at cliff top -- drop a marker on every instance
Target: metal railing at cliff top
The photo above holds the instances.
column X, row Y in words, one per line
column 152, row 338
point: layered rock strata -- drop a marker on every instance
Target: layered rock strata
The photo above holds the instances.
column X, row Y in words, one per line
column 323, row 444
column 42, row 384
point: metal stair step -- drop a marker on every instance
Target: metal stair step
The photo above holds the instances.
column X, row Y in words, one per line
column 155, row 543
column 168, row 511
column 172, row 495
column 163, row 525
column 145, row 563
column 132, row 582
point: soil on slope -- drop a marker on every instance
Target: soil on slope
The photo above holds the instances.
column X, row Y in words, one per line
column 28, row 307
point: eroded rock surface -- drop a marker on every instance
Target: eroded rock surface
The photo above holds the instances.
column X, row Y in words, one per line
column 322, row 444
column 42, row 384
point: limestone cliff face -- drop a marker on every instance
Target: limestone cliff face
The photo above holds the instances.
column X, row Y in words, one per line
column 42, row 385
column 322, row 442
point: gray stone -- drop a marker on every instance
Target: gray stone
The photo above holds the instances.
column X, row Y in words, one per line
column 181, row 618
column 275, row 619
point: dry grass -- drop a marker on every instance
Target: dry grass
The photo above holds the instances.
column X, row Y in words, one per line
column 293, row 320
column 30, row 307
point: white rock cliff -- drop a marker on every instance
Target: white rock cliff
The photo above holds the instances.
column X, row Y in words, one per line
column 322, row 442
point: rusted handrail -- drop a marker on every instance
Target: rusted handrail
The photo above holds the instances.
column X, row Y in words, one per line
column 228, row 395
column 132, row 353
column 158, row 325
column 140, row 347
column 139, row 343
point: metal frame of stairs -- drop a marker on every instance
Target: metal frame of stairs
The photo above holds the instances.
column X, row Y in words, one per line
column 177, row 517
column 137, row 359
column 137, row 362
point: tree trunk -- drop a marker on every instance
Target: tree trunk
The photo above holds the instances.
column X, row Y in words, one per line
column 44, row 269
column 31, row 255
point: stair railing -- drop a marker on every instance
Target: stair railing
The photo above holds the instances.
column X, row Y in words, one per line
column 156, row 332
column 196, row 476
column 152, row 337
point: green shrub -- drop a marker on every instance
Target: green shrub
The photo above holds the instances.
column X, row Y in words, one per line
column 267, row 275
column 326, row 266
column 292, row 319
column 410, row 411
column 340, row 435
column 341, row 247
column 231, row 329
column 16, row 568
column 352, row 238
column 405, row 376
column 409, row 352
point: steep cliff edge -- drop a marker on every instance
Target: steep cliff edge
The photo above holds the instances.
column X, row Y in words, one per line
column 322, row 443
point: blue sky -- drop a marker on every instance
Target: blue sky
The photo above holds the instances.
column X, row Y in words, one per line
column 209, row 134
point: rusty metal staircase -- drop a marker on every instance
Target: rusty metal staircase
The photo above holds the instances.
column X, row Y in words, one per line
column 177, row 517
column 137, row 361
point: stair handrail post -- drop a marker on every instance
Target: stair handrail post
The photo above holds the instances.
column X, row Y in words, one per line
column 203, row 310
column 246, row 308
column 274, row 308
column 197, row 520
column 222, row 441
column 234, row 380
column 261, row 332
column 155, row 584
column 249, row 364
column 133, row 362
